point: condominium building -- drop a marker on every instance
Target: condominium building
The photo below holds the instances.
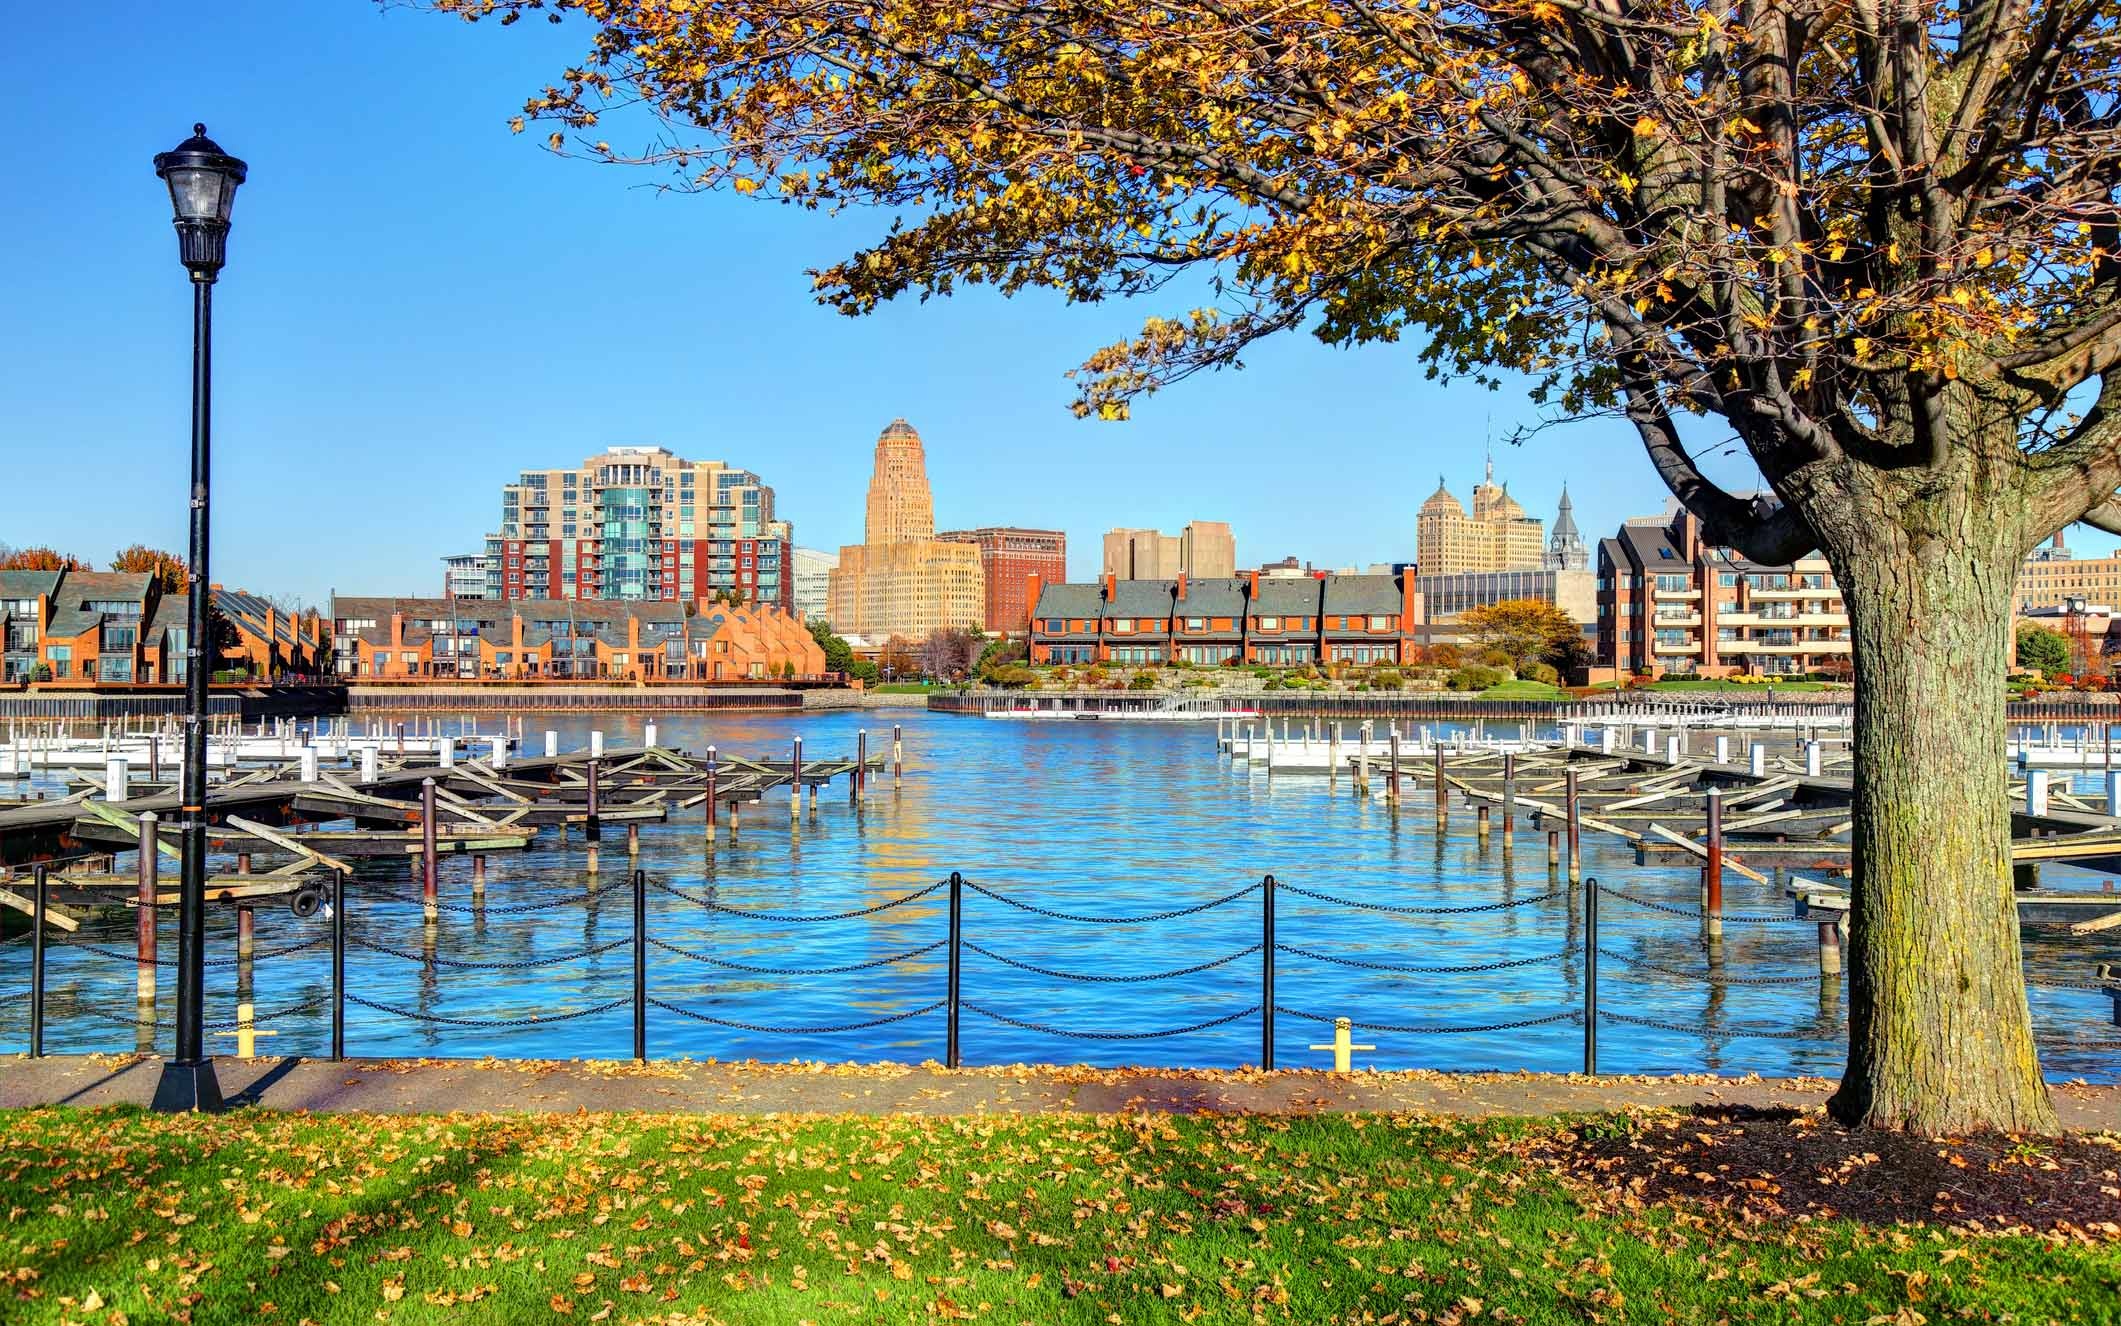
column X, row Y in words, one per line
column 1445, row 597
column 107, row 627
column 464, row 576
column 1668, row 604
column 529, row 639
column 1203, row 550
column 813, row 583
column 639, row 523
column 901, row 579
column 1008, row 558
column 1230, row 620
column 1496, row 536
column 2051, row 577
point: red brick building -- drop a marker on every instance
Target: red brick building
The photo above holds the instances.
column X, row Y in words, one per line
column 1009, row 557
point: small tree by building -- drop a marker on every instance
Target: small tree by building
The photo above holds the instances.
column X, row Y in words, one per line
column 2043, row 649
column 166, row 567
column 42, row 559
column 1522, row 631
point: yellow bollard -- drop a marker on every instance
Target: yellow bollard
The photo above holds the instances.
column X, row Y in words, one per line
column 1343, row 1046
column 246, row 1032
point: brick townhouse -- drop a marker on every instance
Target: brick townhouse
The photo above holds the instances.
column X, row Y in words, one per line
column 1227, row 620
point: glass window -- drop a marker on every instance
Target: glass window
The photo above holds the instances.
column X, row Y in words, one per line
column 1270, row 623
column 1196, row 623
column 1056, row 625
column 1122, row 623
column 1380, row 623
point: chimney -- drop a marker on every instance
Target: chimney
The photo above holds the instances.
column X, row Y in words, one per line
column 1111, row 586
column 1034, row 584
column 1181, row 586
column 1253, row 576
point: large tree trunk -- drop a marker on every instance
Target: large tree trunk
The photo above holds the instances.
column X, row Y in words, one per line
column 1940, row 1037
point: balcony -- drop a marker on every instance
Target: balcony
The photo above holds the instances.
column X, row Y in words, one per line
column 1676, row 647
column 1676, row 619
column 1676, row 595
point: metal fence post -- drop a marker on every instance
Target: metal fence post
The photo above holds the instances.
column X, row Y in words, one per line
column 338, row 967
column 1590, row 977
column 1266, row 974
column 957, row 913
column 39, row 893
column 640, row 966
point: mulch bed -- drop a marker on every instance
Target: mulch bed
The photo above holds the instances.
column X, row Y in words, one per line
column 1791, row 1165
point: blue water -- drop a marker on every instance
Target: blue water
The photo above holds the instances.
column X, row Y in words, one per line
column 1092, row 818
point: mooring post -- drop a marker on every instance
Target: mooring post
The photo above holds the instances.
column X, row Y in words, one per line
column 1443, row 793
column 338, row 967
column 39, row 895
column 648, row 734
column 640, row 966
column 714, row 771
column 1575, row 838
column 116, row 778
column 950, row 989
column 861, row 764
column 1266, row 973
column 2036, row 792
column 1590, row 977
column 478, row 875
column 1712, row 868
column 795, row 780
column 593, row 822
column 1480, row 822
column 1756, row 757
column 1813, row 758
column 1509, row 794
column 1333, row 757
column 1553, row 848
column 596, row 741
column 429, row 900
column 446, row 751
column 145, row 871
column 897, row 753
column 552, row 744
column 1723, row 749
column 633, row 839
column 246, row 932
column 1830, row 948
column 1392, row 776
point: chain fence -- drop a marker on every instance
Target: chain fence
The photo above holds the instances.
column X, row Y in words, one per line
column 957, row 895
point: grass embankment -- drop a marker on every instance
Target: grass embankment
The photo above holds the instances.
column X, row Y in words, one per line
column 259, row 1217
column 905, row 688
column 1524, row 690
column 1756, row 689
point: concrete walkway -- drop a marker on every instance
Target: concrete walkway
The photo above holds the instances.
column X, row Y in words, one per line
column 433, row 1086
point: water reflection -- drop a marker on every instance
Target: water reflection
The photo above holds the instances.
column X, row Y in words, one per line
column 1098, row 818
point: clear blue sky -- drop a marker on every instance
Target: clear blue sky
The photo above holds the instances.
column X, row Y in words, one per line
column 418, row 304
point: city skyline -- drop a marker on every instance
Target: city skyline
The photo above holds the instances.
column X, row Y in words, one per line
column 357, row 354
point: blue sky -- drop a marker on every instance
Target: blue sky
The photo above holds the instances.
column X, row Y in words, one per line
column 419, row 303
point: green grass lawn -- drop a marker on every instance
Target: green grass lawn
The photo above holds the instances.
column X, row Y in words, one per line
column 1524, row 690
column 259, row 1217
column 905, row 687
column 1755, row 688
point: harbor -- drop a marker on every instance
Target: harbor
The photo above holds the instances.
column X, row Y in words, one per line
column 1451, row 932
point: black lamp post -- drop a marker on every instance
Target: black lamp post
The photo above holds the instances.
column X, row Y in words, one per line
column 202, row 183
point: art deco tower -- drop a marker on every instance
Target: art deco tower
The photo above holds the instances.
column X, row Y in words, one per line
column 901, row 509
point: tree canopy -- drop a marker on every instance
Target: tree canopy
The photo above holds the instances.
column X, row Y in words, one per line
column 1864, row 239
column 166, row 567
column 1524, row 631
column 41, row 559
column 2040, row 648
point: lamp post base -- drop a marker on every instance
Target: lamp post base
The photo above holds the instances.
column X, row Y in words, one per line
column 188, row 1088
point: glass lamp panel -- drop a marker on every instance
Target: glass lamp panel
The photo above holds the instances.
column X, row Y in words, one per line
column 199, row 194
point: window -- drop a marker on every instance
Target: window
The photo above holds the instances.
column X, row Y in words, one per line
column 116, row 667
column 1056, row 625
column 1380, row 623
column 61, row 657
column 1122, row 623
column 1674, row 584
column 114, row 607
column 1196, row 623
column 1269, row 623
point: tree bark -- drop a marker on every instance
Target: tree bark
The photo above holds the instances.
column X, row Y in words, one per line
column 1940, row 1035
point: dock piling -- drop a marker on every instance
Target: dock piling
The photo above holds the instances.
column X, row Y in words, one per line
column 1712, row 868
column 144, row 911
column 897, row 753
column 1266, row 973
column 39, row 898
column 1575, row 836
column 2036, row 792
column 1509, row 794
column 552, row 743
column 429, row 901
column 1830, row 948
column 115, row 779
column 592, row 821
column 795, row 780
column 596, row 741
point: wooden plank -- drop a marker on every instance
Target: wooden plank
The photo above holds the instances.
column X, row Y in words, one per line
column 286, row 843
column 117, row 819
column 54, row 915
column 1729, row 861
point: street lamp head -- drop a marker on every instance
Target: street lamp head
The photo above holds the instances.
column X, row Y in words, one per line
column 202, row 183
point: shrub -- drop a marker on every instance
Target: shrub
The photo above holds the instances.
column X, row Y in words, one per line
column 1541, row 672
column 1143, row 681
column 1474, row 677
column 1095, row 675
column 1387, row 679
column 1011, row 675
column 1444, row 656
column 41, row 672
